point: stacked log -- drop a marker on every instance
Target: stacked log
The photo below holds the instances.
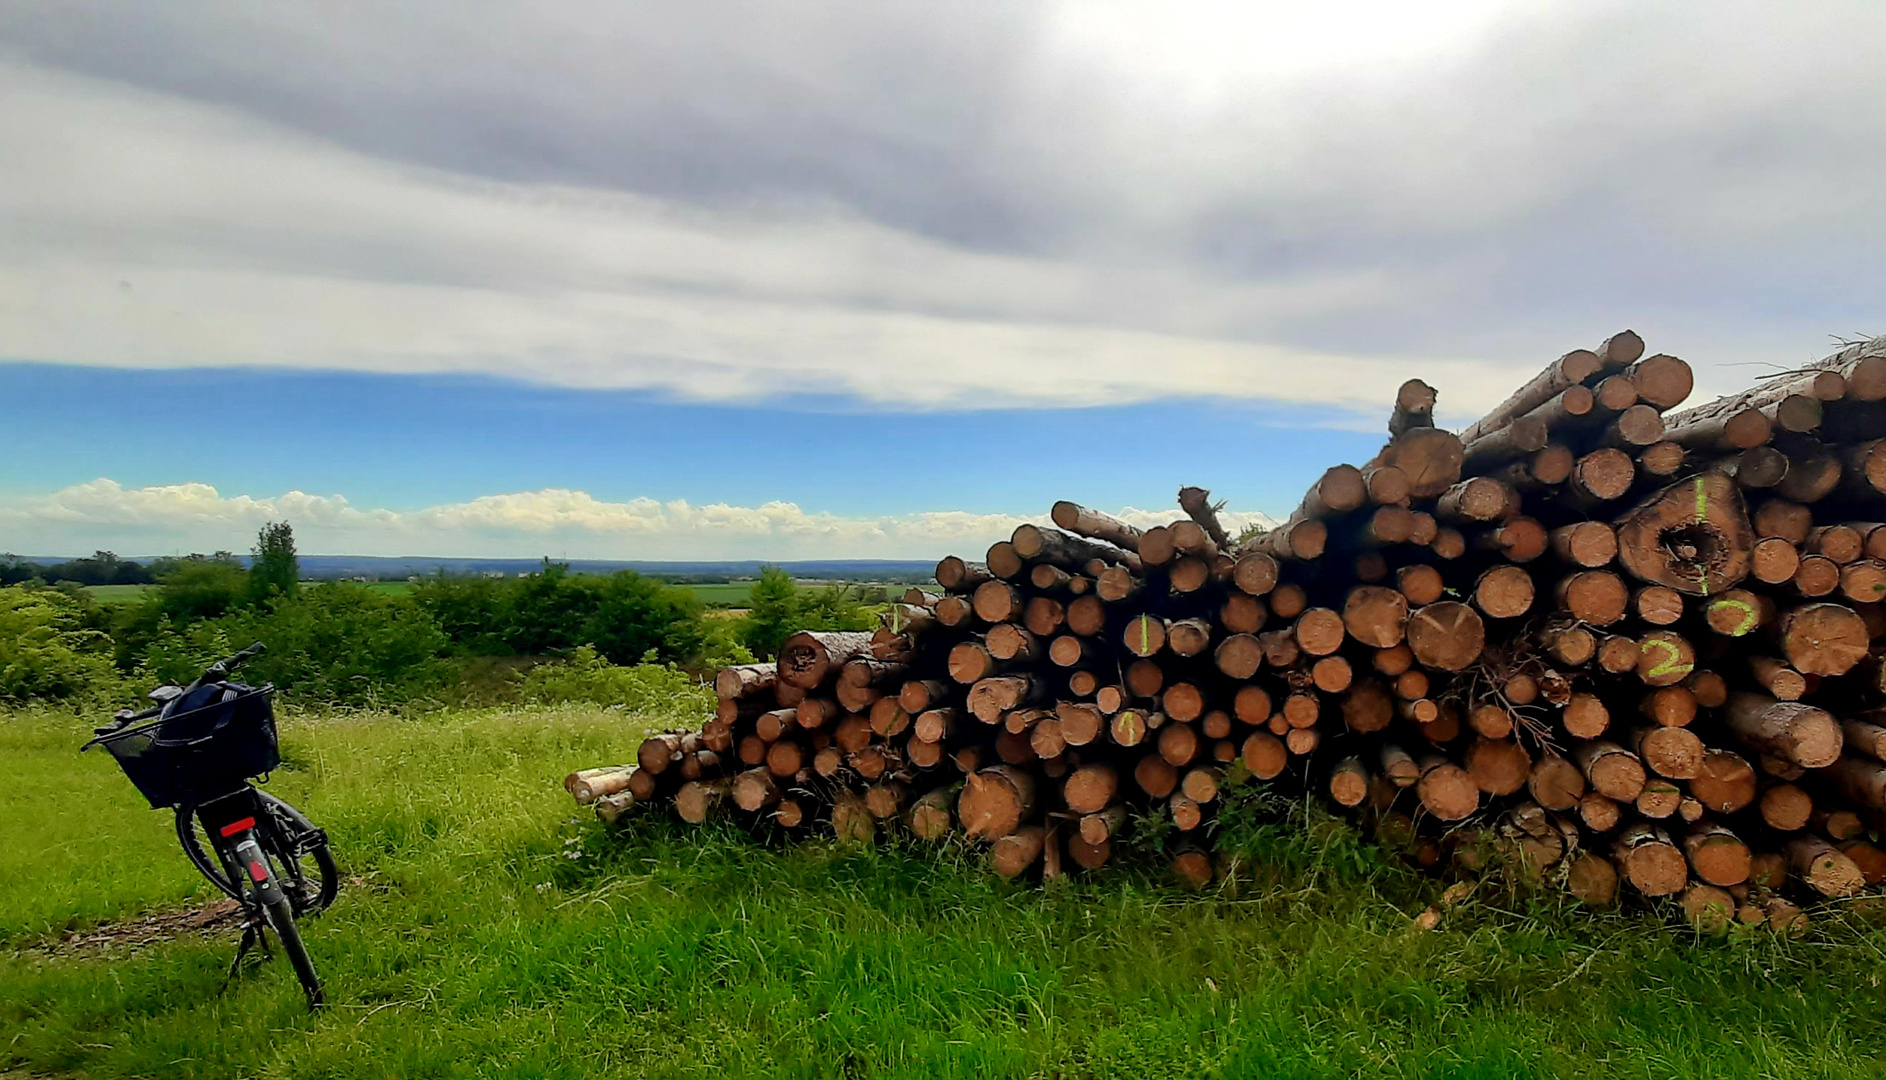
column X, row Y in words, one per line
column 1632, row 650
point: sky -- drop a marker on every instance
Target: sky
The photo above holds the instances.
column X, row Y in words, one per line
column 810, row 279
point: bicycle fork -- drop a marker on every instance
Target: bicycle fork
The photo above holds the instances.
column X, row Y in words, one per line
column 246, row 855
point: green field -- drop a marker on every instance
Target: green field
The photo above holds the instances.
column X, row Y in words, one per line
column 491, row 929
column 125, row 594
column 722, row 594
column 719, row 594
column 118, row 594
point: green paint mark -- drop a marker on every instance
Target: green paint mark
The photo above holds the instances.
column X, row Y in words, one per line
column 1702, row 515
column 1749, row 617
column 897, row 619
column 1671, row 663
column 1145, row 631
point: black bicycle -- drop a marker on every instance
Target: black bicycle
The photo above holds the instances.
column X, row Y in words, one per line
column 196, row 751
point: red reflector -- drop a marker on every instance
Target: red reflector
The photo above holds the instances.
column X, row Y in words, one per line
column 235, row 827
column 258, row 872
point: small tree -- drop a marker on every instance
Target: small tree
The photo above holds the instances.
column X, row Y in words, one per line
column 275, row 570
column 773, row 608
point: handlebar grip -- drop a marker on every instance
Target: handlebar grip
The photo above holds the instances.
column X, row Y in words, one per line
column 224, row 666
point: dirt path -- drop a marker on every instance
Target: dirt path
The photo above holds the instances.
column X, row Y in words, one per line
column 129, row 935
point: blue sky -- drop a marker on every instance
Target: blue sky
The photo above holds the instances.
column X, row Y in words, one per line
column 841, row 279
column 406, row 443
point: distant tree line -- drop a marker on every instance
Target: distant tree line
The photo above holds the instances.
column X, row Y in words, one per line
column 347, row 643
column 101, row 568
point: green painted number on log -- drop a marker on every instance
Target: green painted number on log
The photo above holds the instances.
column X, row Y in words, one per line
column 1702, row 515
column 1672, row 662
column 1749, row 617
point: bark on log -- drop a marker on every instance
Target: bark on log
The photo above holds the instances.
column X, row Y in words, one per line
column 745, row 680
column 995, row 801
column 1560, row 375
column 957, row 576
column 1649, row 861
column 1824, row 867
column 1794, row 732
column 1095, row 525
column 1196, row 502
column 809, row 658
column 1414, row 407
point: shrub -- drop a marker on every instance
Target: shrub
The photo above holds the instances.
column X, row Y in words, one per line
column 45, row 650
column 622, row 615
column 647, row 687
column 778, row 608
column 344, row 643
column 203, row 589
column 177, row 654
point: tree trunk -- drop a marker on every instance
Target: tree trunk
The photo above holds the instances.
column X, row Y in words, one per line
column 699, row 800
column 1649, row 861
column 808, row 658
column 1098, row 526
column 1430, row 457
column 1796, row 733
column 1560, row 375
column 1448, row 636
column 1447, row 790
column 1414, row 407
column 1823, row 867
column 745, row 680
column 929, row 818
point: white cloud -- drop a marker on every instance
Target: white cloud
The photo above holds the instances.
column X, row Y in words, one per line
column 156, row 232
column 1048, row 203
column 554, row 521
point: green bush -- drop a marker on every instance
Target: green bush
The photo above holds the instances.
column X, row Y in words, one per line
column 647, row 687
column 623, row 615
column 778, row 608
column 177, row 653
column 45, row 649
column 344, row 643
column 194, row 589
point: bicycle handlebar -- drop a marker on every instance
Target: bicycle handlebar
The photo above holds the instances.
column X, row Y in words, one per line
column 230, row 663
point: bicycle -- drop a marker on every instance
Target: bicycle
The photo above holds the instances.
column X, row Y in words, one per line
column 195, row 752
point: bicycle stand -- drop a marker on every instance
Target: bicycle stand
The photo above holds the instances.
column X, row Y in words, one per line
column 252, row 936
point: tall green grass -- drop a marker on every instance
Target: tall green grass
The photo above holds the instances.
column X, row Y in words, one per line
column 492, row 930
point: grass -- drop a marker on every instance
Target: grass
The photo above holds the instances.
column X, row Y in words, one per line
column 491, row 930
column 722, row 594
column 716, row 594
column 118, row 594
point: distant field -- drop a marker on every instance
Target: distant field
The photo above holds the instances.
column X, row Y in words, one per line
column 722, row 594
column 731, row 593
column 118, row 594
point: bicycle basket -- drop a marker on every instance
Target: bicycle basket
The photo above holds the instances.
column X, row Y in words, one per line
column 204, row 752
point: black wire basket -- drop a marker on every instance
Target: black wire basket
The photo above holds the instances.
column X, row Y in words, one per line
column 192, row 756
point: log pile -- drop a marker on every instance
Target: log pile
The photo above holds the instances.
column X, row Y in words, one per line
column 1620, row 647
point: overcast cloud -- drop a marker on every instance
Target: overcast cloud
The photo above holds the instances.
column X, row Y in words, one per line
column 941, row 204
column 179, row 518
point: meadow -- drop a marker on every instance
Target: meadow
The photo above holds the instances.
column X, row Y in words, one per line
column 490, row 928
column 722, row 594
